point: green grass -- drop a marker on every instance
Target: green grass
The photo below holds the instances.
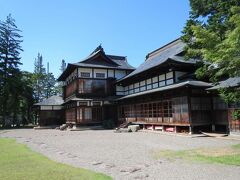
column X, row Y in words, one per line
column 222, row 155
column 18, row 162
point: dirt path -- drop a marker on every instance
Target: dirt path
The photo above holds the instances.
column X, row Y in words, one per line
column 125, row 155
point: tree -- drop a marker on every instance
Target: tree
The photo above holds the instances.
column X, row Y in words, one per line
column 59, row 86
column 39, row 77
column 212, row 34
column 10, row 49
column 63, row 66
column 26, row 98
column 50, row 89
column 44, row 83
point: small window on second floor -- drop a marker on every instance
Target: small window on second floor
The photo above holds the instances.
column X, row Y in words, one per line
column 100, row 75
column 85, row 74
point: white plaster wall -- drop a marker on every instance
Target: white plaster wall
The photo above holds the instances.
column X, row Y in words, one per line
column 46, row 107
column 100, row 71
column 110, row 73
column 161, row 77
column 169, row 75
column 119, row 74
column 142, row 83
column 155, row 79
column 57, row 107
column 87, row 70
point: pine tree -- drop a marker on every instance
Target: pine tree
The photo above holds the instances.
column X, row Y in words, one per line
column 59, row 86
column 39, row 77
column 44, row 84
column 10, row 49
column 63, row 66
column 50, row 82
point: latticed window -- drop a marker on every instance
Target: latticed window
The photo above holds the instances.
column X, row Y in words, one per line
column 85, row 74
column 100, row 75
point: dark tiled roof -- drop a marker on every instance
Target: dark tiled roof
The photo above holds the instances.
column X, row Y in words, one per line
column 51, row 101
column 161, row 55
column 169, row 87
column 230, row 82
column 119, row 64
column 111, row 62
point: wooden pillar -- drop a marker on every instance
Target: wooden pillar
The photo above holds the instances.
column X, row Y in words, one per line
column 189, row 111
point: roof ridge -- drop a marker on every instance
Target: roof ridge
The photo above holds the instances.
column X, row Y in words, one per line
column 154, row 52
column 117, row 56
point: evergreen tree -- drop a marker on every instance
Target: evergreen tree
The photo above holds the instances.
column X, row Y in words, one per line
column 212, row 34
column 50, row 83
column 44, row 84
column 59, row 86
column 26, row 98
column 39, row 77
column 10, row 49
column 63, row 66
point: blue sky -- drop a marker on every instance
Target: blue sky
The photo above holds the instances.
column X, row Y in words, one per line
column 71, row 29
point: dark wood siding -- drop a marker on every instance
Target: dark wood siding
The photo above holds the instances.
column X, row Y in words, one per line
column 50, row 117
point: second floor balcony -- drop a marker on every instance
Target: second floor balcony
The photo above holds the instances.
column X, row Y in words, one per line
column 90, row 87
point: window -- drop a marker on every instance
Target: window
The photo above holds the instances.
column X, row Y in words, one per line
column 100, row 75
column 169, row 81
column 96, row 103
column 85, row 74
column 88, row 114
column 82, row 103
column 92, row 86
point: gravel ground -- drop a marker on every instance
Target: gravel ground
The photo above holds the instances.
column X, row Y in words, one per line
column 125, row 155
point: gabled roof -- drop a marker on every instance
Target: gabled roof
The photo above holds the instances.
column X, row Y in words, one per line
column 51, row 101
column 169, row 87
column 98, row 59
column 169, row 52
column 228, row 83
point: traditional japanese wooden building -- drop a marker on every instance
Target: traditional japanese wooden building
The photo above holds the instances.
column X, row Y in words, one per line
column 163, row 93
column 50, row 111
column 89, row 87
column 225, row 111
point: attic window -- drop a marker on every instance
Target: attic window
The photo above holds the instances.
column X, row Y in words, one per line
column 100, row 75
column 85, row 74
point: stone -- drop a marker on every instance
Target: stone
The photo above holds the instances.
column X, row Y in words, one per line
column 96, row 163
column 134, row 128
column 63, row 127
column 130, row 169
column 141, row 176
column 108, row 166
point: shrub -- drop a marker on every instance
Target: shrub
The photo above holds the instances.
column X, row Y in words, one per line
column 236, row 114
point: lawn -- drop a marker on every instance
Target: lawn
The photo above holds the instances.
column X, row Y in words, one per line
column 18, row 162
column 222, row 155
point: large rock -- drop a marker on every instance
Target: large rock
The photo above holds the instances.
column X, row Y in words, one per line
column 133, row 128
column 63, row 127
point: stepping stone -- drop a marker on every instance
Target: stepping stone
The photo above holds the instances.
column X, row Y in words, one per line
column 97, row 163
column 130, row 169
column 141, row 176
column 108, row 166
column 60, row 152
